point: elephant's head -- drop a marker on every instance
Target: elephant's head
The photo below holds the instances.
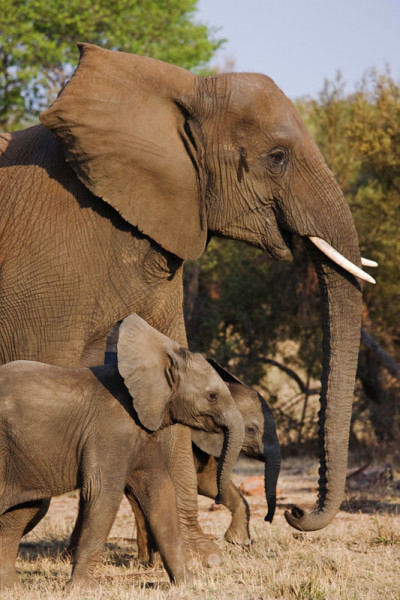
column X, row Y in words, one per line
column 182, row 157
column 260, row 438
column 169, row 384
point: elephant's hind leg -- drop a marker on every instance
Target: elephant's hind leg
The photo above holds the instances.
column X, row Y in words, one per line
column 13, row 525
column 147, row 549
column 96, row 515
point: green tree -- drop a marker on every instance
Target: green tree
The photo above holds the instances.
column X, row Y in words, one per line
column 359, row 135
column 38, row 43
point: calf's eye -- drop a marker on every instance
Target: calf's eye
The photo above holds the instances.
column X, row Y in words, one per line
column 212, row 396
column 250, row 431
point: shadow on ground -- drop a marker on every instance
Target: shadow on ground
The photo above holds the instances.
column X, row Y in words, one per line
column 369, row 506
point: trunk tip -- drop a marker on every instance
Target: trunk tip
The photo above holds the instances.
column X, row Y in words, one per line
column 294, row 517
column 271, row 510
column 313, row 521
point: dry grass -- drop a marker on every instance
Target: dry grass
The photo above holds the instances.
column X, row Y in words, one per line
column 357, row 557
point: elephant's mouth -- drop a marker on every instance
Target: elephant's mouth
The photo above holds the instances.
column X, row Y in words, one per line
column 287, row 238
column 253, row 451
column 278, row 241
column 284, row 251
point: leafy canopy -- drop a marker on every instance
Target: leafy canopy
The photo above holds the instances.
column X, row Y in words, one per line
column 38, row 43
column 359, row 135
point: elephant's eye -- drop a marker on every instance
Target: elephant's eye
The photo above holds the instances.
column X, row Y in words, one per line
column 278, row 157
column 212, row 397
column 277, row 160
column 250, row 431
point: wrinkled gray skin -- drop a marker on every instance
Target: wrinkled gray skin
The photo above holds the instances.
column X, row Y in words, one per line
column 260, row 442
column 64, row 428
column 134, row 167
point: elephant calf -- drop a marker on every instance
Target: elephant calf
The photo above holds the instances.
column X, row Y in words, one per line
column 260, row 442
column 94, row 429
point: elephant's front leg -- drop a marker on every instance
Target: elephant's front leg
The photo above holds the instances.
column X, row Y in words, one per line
column 238, row 531
column 177, row 451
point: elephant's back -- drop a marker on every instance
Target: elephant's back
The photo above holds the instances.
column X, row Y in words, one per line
column 32, row 146
column 40, row 391
column 29, row 157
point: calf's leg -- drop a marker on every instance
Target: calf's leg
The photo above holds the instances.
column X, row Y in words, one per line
column 13, row 525
column 238, row 531
column 96, row 515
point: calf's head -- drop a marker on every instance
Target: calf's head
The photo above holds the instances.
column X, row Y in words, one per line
column 169, row 384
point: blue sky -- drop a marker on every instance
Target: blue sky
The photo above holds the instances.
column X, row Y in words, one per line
column 300, row 43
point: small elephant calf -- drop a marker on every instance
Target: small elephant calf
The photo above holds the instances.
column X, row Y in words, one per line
column 260, row 442
column 95, row 430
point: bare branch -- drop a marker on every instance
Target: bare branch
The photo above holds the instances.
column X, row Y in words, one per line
column 303, row 387
column 387, row 361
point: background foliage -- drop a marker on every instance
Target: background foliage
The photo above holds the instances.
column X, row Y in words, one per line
column 38, row 43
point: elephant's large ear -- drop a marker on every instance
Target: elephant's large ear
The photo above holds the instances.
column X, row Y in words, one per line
column 148, row 362
column 210, row 443
column 122, row 129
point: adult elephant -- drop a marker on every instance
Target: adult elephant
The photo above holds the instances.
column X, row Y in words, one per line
column 134, row 167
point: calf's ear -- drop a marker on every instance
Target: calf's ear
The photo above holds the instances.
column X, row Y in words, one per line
column 147, row 362
column 225, row 375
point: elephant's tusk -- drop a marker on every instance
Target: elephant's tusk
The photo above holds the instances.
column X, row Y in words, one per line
column 339, row 259
column 368, row 263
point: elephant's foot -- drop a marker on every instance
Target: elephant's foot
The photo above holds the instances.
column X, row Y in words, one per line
column 155, row 559
column 203, row 549
column 148, row 554
column 238, row 535
column 186, row 578
column 238, row 531
column 81, row 583
column 150, row 559
column 9, row 579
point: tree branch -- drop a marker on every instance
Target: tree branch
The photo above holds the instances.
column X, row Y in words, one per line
column 303, row 387
column 387, row 361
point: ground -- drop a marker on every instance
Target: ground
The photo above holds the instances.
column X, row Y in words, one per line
column 356, row 557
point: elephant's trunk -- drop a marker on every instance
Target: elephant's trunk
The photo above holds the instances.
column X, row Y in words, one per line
column 341, row 310
column 233, row 441
column 272, row 458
